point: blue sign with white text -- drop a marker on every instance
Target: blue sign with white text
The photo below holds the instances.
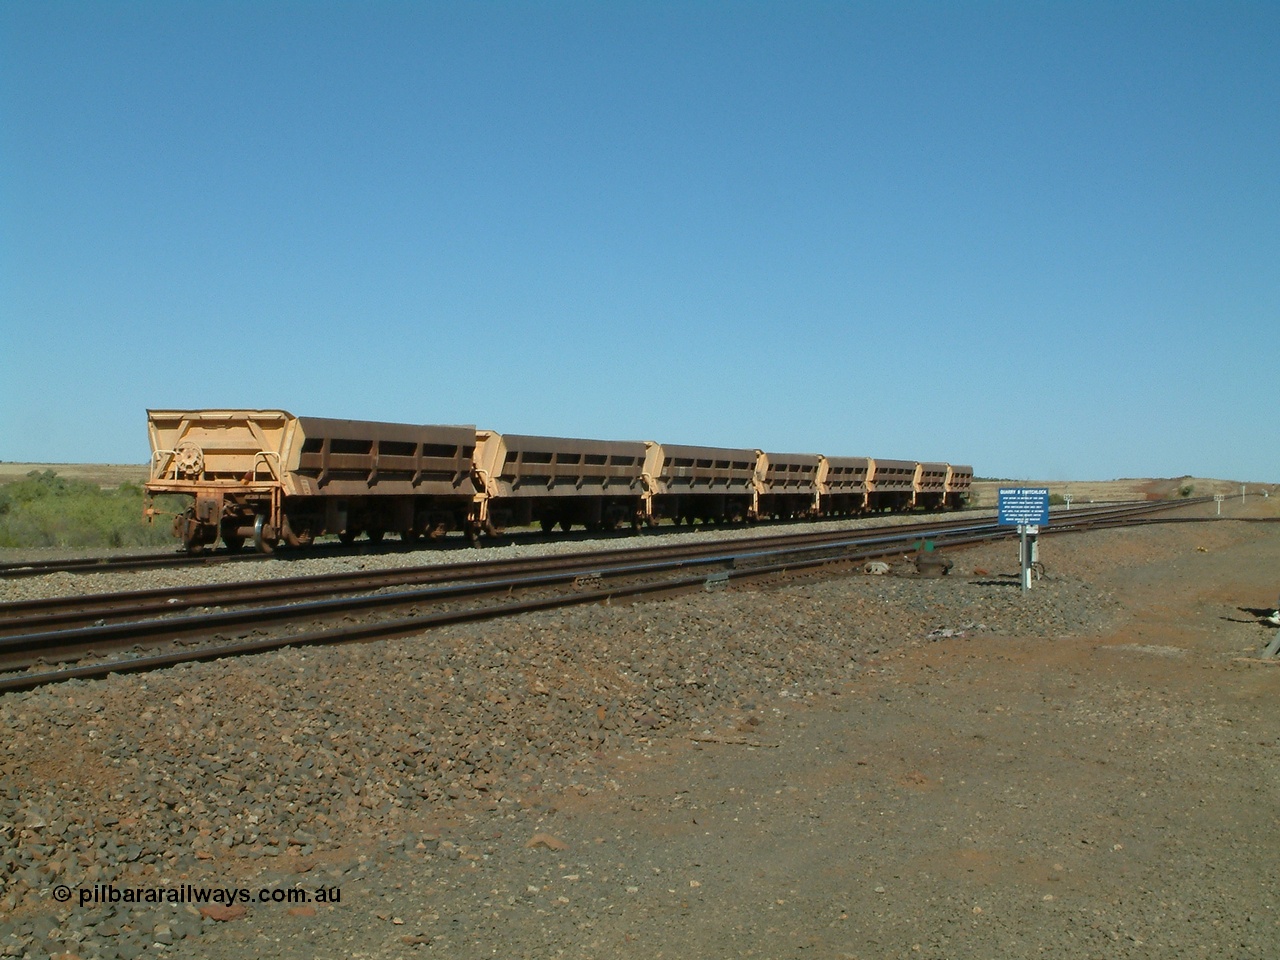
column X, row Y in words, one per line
column 1024, row 505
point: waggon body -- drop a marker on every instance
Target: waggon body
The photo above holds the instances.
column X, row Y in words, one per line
column 929, row 486
column 843, row 485
column 555, row 480
column 791, row 485
column 270, row 476
column 891, row 484
column 959, row 482
column 691, row 483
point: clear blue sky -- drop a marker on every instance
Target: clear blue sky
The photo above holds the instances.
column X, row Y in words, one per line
column 1041, row 238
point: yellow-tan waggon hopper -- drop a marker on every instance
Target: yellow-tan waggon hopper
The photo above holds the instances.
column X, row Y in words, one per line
column 891, row 484
column 959, row 483
column 842, row 484
column 704, row 483
column 598, row 484
column 271, row 476
column 791, row 484
column 929, row 486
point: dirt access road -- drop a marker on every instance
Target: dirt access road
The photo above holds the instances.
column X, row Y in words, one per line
column 1062, row 792
column 994, row 796
column 857, row 766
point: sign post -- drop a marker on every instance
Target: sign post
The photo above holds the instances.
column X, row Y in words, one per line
column 1027, row 508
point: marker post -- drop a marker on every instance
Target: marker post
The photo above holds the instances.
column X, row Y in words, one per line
column 1029, row 551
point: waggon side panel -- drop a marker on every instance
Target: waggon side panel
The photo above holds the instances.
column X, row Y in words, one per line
column 361, row 458
column 791, row 472
column 518, row 465
column 891, row 476
column 959, row 478
column 689, row 469
column 846, row 474
column 930, row 477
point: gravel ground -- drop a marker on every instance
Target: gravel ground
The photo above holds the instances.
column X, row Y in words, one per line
column 854, row 767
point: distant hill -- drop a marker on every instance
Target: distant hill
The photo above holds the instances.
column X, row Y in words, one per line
column 1102, row 491
column 105, row 475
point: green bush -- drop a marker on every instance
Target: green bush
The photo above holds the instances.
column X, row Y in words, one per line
column 46, row 510
column 1187, row 490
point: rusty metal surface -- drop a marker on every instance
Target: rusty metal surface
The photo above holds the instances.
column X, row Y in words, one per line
column 791, row 472
column 266, row 476
column 959, row 478
column 356, row 458
column 217, row 445
column 689, row 469
column 61, row 612
column 519, row 465
column 891, row 476
column 845, row 475
column 930, row 477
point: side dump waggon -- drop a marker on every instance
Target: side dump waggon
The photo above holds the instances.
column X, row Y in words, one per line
column 958, row 486
column 597, row 484
column 891, row 485
column 704, row 483
column 268, row 476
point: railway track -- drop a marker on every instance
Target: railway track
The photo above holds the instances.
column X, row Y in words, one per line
column 175, row 560
column 38, row 568
column 141, row 630
column 67, row 612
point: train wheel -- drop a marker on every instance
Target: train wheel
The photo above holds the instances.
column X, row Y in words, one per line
column 233, row 541
column 566, row 525
column 190, row 531
column 547, row 524
column 348, row 536
column 264, row 538
column 375, row 536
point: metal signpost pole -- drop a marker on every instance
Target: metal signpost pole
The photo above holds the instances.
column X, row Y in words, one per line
column 1025, row 552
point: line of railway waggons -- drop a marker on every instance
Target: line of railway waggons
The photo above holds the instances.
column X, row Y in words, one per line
column 268, row 477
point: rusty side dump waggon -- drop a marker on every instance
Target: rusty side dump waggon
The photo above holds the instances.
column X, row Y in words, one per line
column 268, row 477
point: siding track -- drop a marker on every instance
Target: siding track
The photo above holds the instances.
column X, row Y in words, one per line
column 142, row 630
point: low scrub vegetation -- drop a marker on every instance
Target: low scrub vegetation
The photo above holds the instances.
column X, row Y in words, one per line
column 46, row 510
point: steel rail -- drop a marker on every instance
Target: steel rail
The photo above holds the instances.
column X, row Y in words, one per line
column 587, row 566
column 675, row 578
column 39, row 568
column 114, row 564
column 24, row 616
